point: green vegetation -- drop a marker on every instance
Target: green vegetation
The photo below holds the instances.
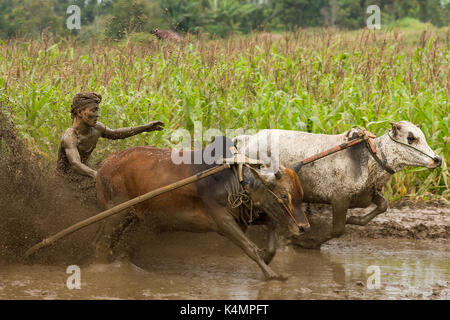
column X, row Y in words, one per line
column 320, row 81
column 410, row 24
column 114, row 19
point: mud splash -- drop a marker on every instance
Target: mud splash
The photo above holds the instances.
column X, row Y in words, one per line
column 34, row 203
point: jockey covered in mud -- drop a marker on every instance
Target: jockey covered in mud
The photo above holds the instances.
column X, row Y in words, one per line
column 75, row 149
column 80, row 140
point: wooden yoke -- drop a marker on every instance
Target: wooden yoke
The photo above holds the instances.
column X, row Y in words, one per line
column 239, row 160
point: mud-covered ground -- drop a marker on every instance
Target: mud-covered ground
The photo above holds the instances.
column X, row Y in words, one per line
column 417, row 220
column 408, row 247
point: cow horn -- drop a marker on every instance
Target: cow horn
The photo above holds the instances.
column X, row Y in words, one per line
column 280, row 171
column 278, row 174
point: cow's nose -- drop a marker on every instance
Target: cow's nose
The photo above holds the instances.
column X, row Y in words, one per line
column 304, row 228
column 438, row 161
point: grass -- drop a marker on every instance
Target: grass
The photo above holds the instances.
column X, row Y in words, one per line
column 322, row 81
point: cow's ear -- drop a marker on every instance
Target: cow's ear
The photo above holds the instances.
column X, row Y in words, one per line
column 419, row 126
column 395, row 128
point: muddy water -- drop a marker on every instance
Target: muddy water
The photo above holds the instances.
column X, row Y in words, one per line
column 191, row 266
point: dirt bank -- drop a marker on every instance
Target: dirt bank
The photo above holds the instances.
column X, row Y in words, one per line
column 414, row 221
column 424, row 222
column 421, row 220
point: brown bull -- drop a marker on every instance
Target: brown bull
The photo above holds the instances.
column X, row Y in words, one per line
column 209, row 204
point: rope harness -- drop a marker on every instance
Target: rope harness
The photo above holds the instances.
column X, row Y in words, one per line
column 239, row 202
column 409, row 146
column 372, row 150
column 280, row 201
column 242, row 200
column 363, row 136
column 368, row 137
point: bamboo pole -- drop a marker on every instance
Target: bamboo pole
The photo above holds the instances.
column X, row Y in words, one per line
column 328, row 152
column 114, row 210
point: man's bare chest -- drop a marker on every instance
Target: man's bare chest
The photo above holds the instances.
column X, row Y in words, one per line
column 87, row 143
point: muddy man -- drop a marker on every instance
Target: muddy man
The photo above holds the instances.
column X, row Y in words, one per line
column 77, row 145
column 79, row 141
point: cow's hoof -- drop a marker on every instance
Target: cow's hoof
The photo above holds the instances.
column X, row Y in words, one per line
column 267, row 256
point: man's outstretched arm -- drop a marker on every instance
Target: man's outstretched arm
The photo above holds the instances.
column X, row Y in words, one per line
column 70, row 147
column 123, row 133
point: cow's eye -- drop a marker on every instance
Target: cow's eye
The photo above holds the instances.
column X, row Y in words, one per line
column 411, row 139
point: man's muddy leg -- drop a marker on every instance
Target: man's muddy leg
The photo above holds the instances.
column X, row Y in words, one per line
column 382, row 206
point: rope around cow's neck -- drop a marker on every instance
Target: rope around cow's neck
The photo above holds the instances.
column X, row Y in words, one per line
column 409, row 146
column 239, row 200
column 278, row 199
